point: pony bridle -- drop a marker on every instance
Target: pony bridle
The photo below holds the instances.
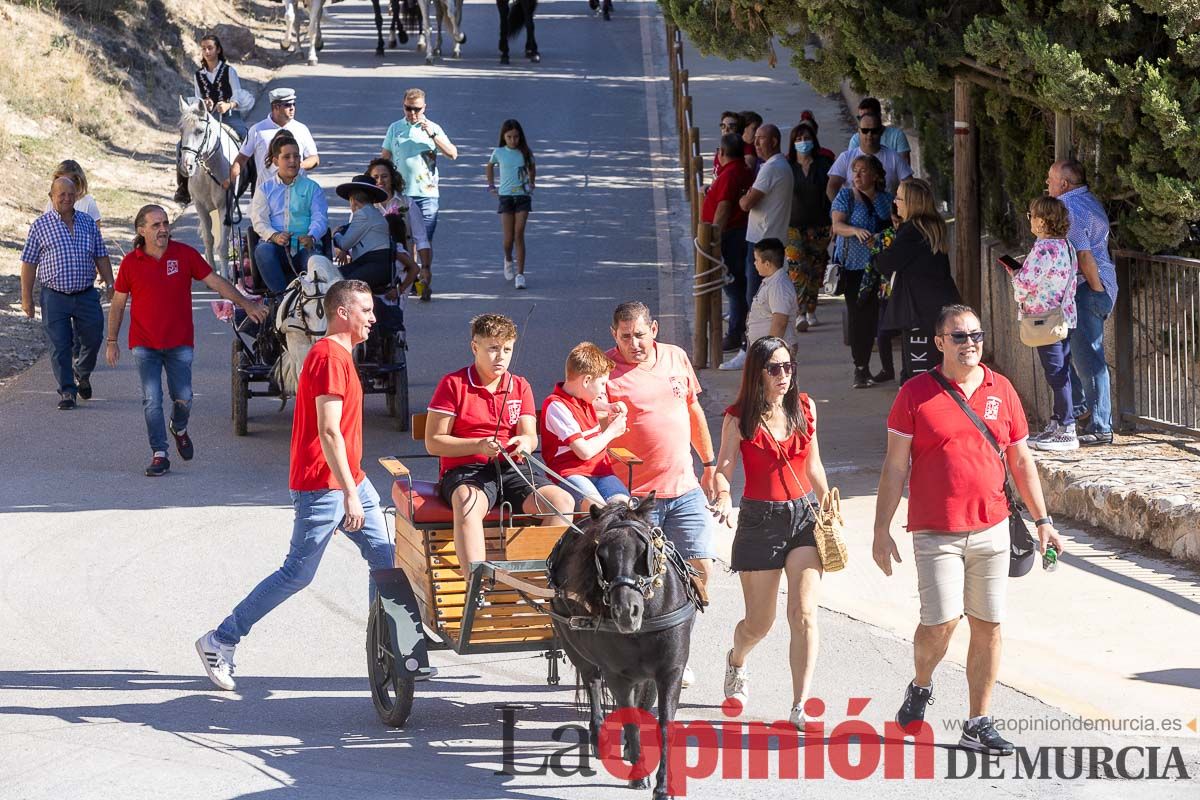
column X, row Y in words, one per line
column 655, row 564
column 202, row 152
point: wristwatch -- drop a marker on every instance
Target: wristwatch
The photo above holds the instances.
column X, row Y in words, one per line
column 712, row 463
column 1043, row 521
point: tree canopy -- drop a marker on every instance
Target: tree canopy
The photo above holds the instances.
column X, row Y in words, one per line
column 1128, row 71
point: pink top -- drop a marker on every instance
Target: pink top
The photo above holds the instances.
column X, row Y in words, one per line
column 1046, row 280
column 660, row 431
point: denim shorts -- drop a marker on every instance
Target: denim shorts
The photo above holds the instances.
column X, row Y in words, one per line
column 687, row 523
column 768, row 530
column 597, row 489
column 515, row 203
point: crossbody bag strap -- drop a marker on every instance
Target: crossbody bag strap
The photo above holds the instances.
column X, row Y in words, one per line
column 788, row 464
column 983, row 429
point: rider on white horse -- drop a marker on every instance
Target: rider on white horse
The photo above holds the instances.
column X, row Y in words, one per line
column 217, row 86
column 258, row 140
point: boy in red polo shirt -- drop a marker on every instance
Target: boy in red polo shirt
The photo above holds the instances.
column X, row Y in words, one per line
column 573, row 441
column 475, row 414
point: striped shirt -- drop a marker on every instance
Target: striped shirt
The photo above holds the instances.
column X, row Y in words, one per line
column 65, row 258
column 1089, row 231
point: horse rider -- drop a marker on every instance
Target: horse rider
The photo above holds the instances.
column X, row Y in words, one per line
column 217, row 86
column 258, row 139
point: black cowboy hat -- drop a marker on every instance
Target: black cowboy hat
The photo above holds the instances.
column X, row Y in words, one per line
column 362, row 183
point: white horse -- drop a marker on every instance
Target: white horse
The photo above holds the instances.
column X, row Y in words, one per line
column 206, row 152
column 449, row 11
column 291, row 29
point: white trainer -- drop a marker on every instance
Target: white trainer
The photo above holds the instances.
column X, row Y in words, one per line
column 519, row 281
column 737, row 681
column 1046, row 433
column 812, row 319
column 688, row 678
column 218, row 661
column 734, row 363
column 510, row 269
column 799, row 718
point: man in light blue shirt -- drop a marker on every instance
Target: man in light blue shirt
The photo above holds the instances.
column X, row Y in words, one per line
column 1095, row 296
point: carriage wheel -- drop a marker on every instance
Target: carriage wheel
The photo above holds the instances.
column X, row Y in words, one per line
column 391, row 692
column 238, row 389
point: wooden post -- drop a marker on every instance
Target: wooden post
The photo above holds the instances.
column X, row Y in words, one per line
column 715, row 328
column 967, row 253
column 1062, row 135
column 700, row 323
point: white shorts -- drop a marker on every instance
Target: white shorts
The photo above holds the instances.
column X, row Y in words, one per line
column 959, row 572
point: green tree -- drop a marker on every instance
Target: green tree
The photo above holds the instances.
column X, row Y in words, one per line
column 1127, row 70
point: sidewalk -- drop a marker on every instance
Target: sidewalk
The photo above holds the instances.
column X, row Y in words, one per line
column 1099, row 638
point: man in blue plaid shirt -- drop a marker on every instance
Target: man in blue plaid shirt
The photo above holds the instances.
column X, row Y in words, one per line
column 63, row 253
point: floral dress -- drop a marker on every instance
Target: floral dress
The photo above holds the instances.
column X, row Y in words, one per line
column 1046, row 280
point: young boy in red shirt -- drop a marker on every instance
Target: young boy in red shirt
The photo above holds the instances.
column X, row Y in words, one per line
column 573, row 441
column 475, row 414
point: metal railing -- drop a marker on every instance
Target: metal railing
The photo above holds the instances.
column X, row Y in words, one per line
column 1157, row 329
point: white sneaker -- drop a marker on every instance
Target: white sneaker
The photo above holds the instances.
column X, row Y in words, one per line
column 802, row 323
column 218, row 661
column 812, row 318
column 736, row 362
column 737, row 681
column 519, row 281
column 798, row 717
column 510, row 269
column 1063, row 439
column 688, row 678
column 1050, row 429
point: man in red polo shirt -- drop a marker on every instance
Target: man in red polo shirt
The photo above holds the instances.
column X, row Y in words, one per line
column 721, row 208
column 958, row 514
column 158, row 275
column 329, row 488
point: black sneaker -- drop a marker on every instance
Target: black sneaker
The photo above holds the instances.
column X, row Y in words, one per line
column 862, row 378
column 982, row 737
column 66, row 403
column 84, row 386
column 183, row 443
column 883, row 377
column 158, row 467
column 730, row 345
column 504, row 58
column 1096, row 439
column 913, row 709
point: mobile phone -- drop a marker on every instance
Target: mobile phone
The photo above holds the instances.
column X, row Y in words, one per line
column 1009, row 263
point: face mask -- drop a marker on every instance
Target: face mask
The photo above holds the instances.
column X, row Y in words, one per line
column 804, row 147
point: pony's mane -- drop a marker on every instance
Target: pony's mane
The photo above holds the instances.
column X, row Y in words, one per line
column 189, row 118
column 579, row 579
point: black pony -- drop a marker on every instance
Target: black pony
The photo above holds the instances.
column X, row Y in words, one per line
column 396, row 27
column 624, row 608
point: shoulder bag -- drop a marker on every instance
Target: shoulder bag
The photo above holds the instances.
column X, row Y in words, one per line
column 1021, row 544
column 1038, row 330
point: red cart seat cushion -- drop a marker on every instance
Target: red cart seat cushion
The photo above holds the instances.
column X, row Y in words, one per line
column 428, row 508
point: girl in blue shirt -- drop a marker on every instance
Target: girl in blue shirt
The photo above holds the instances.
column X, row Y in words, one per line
column 515, row 160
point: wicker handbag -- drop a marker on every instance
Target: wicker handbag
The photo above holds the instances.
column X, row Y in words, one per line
column 831, row 545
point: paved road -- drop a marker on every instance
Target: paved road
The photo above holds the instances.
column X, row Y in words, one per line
column 106, row 577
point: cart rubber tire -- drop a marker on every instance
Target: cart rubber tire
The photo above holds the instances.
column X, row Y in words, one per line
column 392, row 693
column 238, row 388
column 402, row 410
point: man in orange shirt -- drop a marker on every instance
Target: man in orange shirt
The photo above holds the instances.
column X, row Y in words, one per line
column 329, row 488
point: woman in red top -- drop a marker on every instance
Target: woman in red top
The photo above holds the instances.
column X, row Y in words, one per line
column 772, row 427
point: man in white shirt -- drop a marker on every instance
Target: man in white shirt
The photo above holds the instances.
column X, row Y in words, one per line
column 775, row 308
column 258, row 140
column 895, row 168
column 768, row 203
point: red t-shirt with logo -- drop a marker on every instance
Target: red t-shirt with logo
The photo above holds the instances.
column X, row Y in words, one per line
column 733, row 180
column 956, row 483
column 160, row 293
column 566, row 419
column 475, row 410
column 328, row 370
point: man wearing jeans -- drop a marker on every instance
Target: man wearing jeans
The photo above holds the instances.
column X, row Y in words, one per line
column 158, row 275
column 1095, row 296
column 329, row 489
column 62, row 254
column 957, row 514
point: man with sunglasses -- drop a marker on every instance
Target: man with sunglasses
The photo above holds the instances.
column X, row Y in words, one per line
column 893, row 135
column 258, row 140
column 413, row 145
column 957, row 514
column 895, row 168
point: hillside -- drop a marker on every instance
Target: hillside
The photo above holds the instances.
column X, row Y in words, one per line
column 108, row 74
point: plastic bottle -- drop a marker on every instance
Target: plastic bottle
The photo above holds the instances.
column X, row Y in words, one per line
column 1050, row 558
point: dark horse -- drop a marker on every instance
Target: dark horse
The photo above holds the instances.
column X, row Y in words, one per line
column 396, row 27
column 624, row 608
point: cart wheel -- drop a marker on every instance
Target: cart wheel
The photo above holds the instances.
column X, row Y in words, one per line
column 402, row 412
column 392, row 692
column 238, row 387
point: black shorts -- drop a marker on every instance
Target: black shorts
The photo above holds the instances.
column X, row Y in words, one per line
column 512, row 203
column 505, row 485
column 767, row 531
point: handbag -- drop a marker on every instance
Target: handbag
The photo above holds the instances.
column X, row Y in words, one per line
column 1021, row 544
column 833, row 284
column 1038, row 330
column 831, row 545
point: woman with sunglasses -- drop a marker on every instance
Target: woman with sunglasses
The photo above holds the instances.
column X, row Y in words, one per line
column 772, row 428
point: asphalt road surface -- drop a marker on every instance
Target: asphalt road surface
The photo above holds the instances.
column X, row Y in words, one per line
column 107, row 577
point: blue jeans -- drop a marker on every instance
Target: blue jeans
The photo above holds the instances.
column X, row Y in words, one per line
column 74, row 325
column 1089, row 371
column 753, row 279
column 271, row 260
column 733, row 253
column 598, row 490
column 428, row 206
column 1056, row 364
column 687, row 522
column 318, row 516
column 177, row 362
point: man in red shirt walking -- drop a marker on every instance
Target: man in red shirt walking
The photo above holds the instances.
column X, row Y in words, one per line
column 329, row 488
column 721, row 208
column 958, row 513
column 158, row 275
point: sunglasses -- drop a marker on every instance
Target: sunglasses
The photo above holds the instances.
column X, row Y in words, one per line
column 728, row 126
column 780, row 368
column 960, row 337
column 871, row 131
column 414, row 109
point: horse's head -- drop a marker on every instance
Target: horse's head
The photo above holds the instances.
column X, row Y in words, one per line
column 196, row 137
column 629, row 560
